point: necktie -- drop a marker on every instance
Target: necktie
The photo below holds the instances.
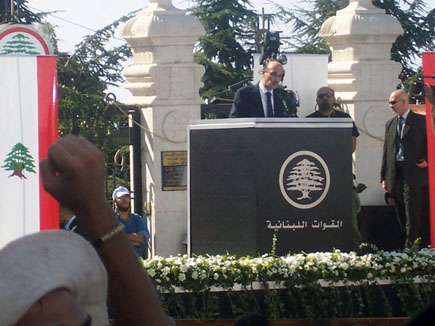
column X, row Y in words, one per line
column 399, row 153
column 269, row 104
column 401, row 123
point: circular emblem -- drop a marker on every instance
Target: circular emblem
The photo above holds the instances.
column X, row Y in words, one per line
column 373, row 122
column 22, row 40
column 304, row 179
column 175, row 126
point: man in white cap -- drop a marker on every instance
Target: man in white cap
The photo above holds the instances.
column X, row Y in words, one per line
column 56, row 277
column 134, row 225
column 52, row 276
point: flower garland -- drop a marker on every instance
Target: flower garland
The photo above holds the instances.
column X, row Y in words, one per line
column 201, row 273
column 305, row 285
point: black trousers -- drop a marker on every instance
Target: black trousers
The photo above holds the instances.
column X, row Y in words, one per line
column 411, row 204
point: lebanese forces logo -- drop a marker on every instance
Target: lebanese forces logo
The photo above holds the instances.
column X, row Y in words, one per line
column 304, row 179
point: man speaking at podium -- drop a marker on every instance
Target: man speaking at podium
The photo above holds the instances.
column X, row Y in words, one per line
column 264, row 99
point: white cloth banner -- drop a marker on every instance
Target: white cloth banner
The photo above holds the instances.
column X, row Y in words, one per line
column 28, row 100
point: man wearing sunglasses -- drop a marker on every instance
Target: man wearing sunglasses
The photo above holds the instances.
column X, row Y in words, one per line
column 326, row 104
column 404, row 171
column 326, row 109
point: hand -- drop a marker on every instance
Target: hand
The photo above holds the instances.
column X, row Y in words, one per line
column 136, row 239
column 383, row 185
column 73, row 173
column 422, row 164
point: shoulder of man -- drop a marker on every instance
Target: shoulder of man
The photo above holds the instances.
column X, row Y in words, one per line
column 341, row 114
column 135, row 215
column 390, row 121
column 314, row 114
column 416, row 116
column 244, row 91
column 249, row 88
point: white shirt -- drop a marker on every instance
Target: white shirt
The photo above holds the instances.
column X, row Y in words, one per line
column 263, row 95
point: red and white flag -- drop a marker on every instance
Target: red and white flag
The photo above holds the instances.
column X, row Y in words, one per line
column 28, row 123
column 429, row 71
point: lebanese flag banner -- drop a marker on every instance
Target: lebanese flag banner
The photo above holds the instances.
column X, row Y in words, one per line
column 28, row 122
column 429, row 70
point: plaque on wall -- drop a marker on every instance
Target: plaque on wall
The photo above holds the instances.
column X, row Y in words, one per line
column 174, row 170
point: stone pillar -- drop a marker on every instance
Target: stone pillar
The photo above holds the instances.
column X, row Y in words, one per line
column 165, row 84
column 360, row 37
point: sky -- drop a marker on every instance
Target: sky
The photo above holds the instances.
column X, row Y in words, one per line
column 95, row 14
column 74, row 19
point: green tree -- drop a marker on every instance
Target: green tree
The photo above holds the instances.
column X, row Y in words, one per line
column 22, row 14
column 417, row 22
column 18, row 160
column 19, row 44
column 83, row 80
column 225, row 49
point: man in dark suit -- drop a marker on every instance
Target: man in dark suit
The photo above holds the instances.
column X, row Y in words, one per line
column 404, row 167
column 264, row 99
column 68, row 221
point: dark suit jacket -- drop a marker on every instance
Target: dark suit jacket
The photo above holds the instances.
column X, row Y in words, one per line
column 414, row 145
column 247, row 103
column 75, row 227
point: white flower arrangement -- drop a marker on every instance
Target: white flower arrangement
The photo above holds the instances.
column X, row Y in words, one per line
column 201, row 273
column 305, row 285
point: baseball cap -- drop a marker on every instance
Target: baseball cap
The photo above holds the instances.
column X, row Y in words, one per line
column 39, row 263
column 119, row 192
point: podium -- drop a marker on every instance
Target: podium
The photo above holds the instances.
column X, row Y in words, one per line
column 254, row 179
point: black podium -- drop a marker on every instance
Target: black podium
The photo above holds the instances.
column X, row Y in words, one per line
column 252, row 178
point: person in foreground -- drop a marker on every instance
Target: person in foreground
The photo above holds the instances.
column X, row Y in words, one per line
column 56, row 277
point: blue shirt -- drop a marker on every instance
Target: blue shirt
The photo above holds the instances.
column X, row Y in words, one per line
column 135, row 224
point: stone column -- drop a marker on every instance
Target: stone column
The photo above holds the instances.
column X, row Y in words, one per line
column 165, row 84
column 360, row 37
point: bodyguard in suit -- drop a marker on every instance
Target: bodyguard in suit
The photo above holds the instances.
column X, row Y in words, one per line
column 404, row 171
column 264, row 99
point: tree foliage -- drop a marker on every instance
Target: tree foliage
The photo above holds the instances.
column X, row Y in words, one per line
column 306, row 21
column 83, row 79
column 419, row 32
column 22, row 13
column 417, row 22
column 224, row 50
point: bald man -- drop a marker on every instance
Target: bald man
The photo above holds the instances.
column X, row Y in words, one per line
column 264, row 99
column 404, row 172
column 325, row 99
